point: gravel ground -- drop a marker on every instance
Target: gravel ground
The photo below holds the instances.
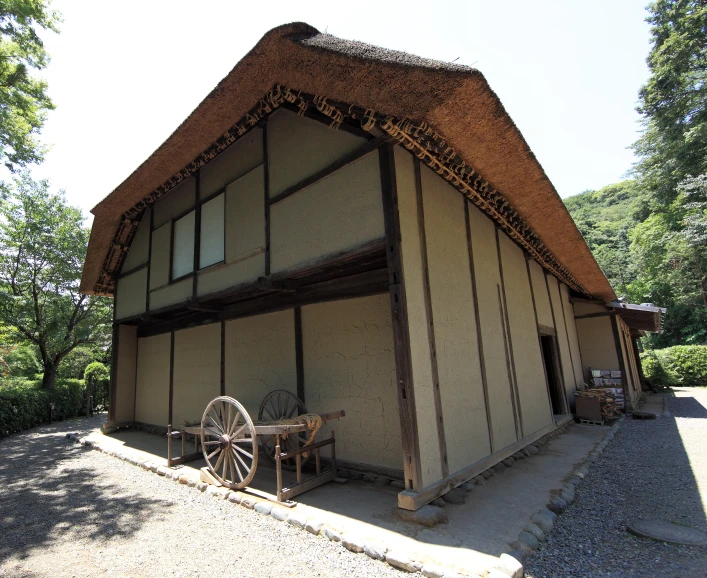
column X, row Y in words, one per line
column 69, row 511
column 650, row 470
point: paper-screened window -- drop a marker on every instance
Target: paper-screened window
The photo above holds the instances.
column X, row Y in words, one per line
column 211, row 244
column 183, row 247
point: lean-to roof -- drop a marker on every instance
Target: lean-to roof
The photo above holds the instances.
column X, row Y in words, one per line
column 444, row 112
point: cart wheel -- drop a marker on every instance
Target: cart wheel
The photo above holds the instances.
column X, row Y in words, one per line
column 282, row 404
column 229, row 442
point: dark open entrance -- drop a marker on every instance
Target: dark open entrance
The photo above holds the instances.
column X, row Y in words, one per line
column 553, row 383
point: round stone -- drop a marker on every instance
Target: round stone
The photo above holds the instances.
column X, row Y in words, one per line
column 667, row 532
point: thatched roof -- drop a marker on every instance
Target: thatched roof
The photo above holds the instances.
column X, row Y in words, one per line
column 456, row 102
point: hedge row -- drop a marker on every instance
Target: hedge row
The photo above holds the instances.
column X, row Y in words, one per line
column 678, row 365
column 26, row 405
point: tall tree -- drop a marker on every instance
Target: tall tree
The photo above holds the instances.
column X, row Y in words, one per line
column 23, row 97
column 673, row 103
column 42, row 247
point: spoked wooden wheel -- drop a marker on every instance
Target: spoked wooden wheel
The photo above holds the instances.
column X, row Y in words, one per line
column 282, row 404
column 229, row 442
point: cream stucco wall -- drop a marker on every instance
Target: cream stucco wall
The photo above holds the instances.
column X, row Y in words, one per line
column 542, row 299
column 125, row 376
column 159, row 257
column 140, row 247
column 152, row 395
column 488, row 283
column 596, row 340
column 340, row 212
column 459, row 370
column 131, row 294
column 260, row 357
column 428, row 439
column 232, row 275
column 571, row 326
column 299, row 147
column 349, row 364
column 197, row 371
column 535, row 406
column 562, row 342
column 176, row 202
column 245, row 215
column 238, row 159
column 171, row 294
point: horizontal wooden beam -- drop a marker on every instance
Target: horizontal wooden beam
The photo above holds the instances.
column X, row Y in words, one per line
column 600, row 314
column 410, row 500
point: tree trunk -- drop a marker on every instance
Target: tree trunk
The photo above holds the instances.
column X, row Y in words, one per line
column 49, row 375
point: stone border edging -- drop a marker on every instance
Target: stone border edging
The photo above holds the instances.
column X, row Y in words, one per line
column 508, row 565
column 542, row 522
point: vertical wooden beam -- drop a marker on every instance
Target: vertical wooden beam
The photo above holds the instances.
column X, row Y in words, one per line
column 299, row 353
column 114, row 370
column 149, row 260
column 637, row 356
column 401, row 335
column 567, row 333
column 620, row 355
column 266, row 180
column 540, row 341
column 197, row 233
column 171, row 375
column 557, row 345
column 439, row 418
column 223, row 358
column 514, row 381
column 479, row 336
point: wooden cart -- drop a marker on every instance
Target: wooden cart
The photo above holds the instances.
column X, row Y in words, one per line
column 229, row 442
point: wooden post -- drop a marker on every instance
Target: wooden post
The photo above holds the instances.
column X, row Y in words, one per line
column 403, row 365
column 619, row 354
column 278, row 468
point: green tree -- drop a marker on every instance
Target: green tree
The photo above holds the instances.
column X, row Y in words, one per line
column 23, row 97
column 673, row 103
column 42, row 247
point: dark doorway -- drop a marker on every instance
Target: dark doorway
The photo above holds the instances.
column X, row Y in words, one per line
column 553, row 383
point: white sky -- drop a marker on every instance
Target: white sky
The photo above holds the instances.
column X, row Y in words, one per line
column 124, row 75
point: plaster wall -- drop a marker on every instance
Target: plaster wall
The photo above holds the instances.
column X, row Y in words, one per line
column 349, row 364
column 338, row 213
column 428, row 439
column 171, row 294
column 152, row 394
column 130, row 294
column 572, row 334
column 299, row 147
column 542, row 299
column 458, row 366
column 175, row 203
column 531, row 382
column 140, row 247
column 183, row 245
column 197, row 371
column 232, row 275
column 245, row 215
column 260, row 357
column 596, row 340
column 212, row 233
column 562, row 342
column 237, row 160
column 160, row 255
column 125, row 384
column 488, row 283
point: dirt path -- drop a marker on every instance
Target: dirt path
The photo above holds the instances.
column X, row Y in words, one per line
column 69, row 511
column 652, row 469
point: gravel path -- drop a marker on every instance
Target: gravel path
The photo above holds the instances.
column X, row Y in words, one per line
column 69, row 511
column 652, row 469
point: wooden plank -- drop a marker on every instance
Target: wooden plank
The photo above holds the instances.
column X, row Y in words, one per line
column 307, row 485
column 267, row 496
column 299, row 353
column 567, row 333
column 223, row 358
column 133, row 270
column 171, row 377
column 306, row 449
column 113, row 370
column 185, row 459
column 622, row 365
column 411, row 500
column 599, row 314
column 401, row 336
column 430, row 320
column 479, row 336
column 515, row 398
column 337, row 165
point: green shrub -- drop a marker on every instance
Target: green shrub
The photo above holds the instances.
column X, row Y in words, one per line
column 23, row 406
column 97, row 381
column 677, row 365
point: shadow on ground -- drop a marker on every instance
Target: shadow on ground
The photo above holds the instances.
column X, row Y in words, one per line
column 48, row 494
